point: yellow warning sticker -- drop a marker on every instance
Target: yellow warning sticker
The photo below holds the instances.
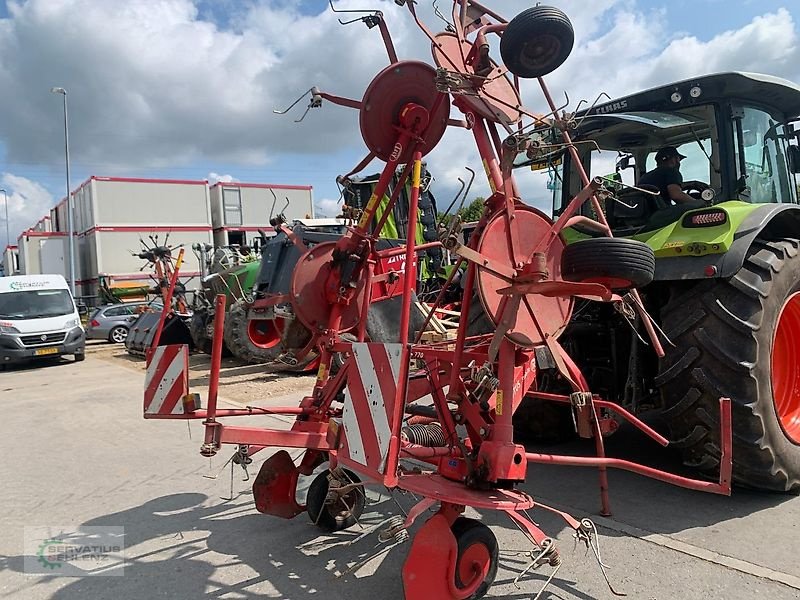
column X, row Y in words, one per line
column 498, row 409
column 321, row 372
column 373, row 200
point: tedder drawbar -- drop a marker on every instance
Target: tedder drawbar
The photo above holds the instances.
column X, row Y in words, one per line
column 379, row 411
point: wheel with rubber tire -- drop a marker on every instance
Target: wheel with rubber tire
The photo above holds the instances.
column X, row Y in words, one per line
column 198, row 331
column 79, row 357
column 118, row 335
column 238, row 339
column 617, row 263
column 344, row 510
column 737, row 338
column 537, row 41
column 478, row 555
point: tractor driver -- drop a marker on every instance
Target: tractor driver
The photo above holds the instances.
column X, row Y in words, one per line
column 669, row 181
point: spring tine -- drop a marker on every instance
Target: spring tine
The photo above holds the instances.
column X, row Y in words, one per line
column 293, row 104
column 588, row 110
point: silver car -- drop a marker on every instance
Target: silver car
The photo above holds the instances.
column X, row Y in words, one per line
column 111, row 322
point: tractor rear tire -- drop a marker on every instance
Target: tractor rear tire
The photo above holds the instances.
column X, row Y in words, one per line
column 616, row 262
column 736, row 338
column 537, row 41
column 238, row 339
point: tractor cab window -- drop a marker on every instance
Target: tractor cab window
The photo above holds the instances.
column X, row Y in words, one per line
column 760, row 157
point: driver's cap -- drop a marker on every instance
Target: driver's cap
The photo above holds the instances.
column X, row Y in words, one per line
column 668, row 152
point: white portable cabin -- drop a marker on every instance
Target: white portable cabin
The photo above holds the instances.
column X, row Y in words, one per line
column 114, row 215
column 239, row 210
column 11, row 261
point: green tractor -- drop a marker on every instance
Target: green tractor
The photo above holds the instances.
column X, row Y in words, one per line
column 726, row 291
column 232, row 272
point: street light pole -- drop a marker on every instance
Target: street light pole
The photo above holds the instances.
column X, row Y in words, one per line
column 70, row 209
column 8, row 237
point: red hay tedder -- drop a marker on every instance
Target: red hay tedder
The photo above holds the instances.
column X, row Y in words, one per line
column 446, row 405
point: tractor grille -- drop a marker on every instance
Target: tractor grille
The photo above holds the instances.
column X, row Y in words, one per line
column 41, row 339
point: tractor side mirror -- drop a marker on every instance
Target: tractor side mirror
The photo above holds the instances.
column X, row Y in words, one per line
column 794, row 159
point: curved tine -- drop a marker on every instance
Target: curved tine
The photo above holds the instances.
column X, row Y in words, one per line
column 463, row 185
column 293, row 104
column 471, row 179
column 285, row 206
column 274, row 200
column 442, row 18
column 588, row 110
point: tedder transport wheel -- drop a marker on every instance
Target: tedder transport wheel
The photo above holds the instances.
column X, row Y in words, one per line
column 537, row 41
column 252, row 342
column 615, row 262
column 477, row 555
column 341, row 510
column 738, row 338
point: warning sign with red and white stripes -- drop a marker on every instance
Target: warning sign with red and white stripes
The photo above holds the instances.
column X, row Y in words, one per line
column 369, row 401
column 166, row 381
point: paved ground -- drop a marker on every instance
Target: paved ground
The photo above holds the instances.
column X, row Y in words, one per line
column 77, row 452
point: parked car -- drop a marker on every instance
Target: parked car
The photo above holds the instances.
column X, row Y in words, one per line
column 112, row 321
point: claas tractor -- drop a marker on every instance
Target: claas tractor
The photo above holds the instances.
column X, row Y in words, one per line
column 726, row 288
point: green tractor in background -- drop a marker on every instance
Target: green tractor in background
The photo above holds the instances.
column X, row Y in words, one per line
column 231, row 271
column 726, row 291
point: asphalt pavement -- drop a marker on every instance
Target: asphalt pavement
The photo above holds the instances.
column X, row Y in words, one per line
column 77, row 454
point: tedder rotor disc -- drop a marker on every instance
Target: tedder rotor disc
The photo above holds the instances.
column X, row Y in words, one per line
column 497, row 99
column 399, row 84
column 309, row 299
column 552, row 313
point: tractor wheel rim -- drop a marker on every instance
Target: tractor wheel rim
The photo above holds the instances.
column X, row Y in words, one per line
column 786, row 368
column 265, row 333
column 473, row 564
column 119, row 335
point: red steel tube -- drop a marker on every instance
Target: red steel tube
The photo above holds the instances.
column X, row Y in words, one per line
column 216, row 355
column 613, row 407
column 626, row 465
column 409, row 285
column 167, row 300
column 242, row 412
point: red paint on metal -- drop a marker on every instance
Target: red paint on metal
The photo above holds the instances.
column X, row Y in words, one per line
column 785, row 368
column 216, row 354
column 167, row 298
column 275, row 487
column 429, row 570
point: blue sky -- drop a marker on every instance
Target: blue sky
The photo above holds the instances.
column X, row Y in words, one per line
column 182, row 90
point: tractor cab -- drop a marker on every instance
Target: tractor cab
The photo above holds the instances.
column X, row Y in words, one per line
column 734, row 131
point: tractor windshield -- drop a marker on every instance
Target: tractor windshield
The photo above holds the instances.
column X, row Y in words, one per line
column 760, row 150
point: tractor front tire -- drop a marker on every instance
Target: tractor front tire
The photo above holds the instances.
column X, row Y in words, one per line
column 238, row 341
column 737, row 338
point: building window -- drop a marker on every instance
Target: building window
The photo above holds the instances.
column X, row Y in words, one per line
column 232, row 206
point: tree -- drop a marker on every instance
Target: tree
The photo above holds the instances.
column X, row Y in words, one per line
column 471, row 212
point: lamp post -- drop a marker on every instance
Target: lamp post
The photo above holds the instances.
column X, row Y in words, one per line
column 70, row 222
column 8, row 237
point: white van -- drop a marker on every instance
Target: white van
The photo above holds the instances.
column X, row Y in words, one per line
column 38, row 319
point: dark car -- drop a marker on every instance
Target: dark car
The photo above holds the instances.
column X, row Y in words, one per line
column 111, row 322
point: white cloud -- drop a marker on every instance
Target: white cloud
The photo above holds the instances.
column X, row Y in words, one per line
column 154, row 85
column 216, row 177
column 327, row 207
column 28, row 201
